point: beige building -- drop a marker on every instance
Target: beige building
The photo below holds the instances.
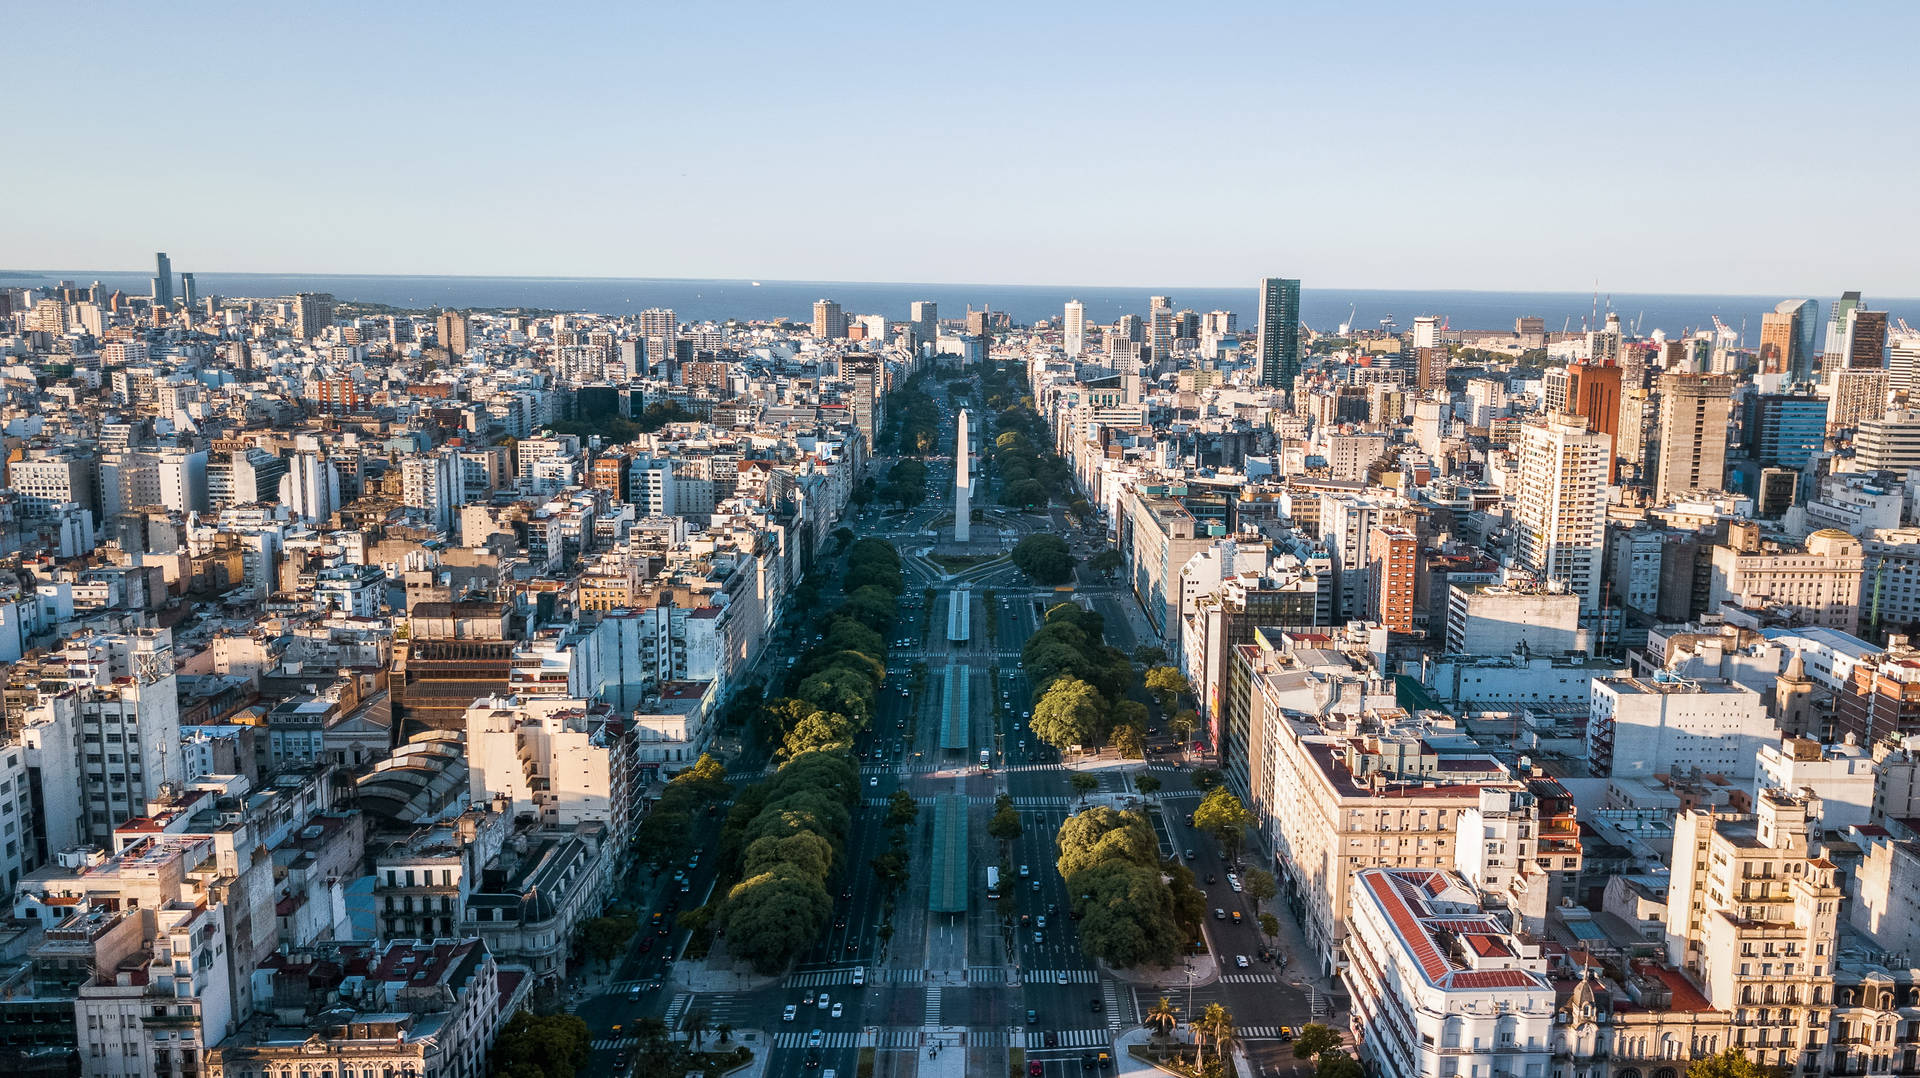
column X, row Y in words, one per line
column 1694, row 412
column 1753, row 918
column 1560, row 504
column 1859, row 397
column 1817, row 585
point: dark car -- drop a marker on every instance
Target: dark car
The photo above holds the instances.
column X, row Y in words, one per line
column 1034, row 1068
column 1052, row 1039
column 1086, row 1061
column 646, row 943
column 1212, row 879
column 1098, row 1005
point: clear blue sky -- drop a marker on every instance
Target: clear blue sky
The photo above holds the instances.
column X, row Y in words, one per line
column 1757, row 147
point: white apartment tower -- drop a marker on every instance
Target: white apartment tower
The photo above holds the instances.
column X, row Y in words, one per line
column 1075, row 323
column 1560, row 511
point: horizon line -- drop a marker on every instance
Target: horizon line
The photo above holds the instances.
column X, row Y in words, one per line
column 16, row 274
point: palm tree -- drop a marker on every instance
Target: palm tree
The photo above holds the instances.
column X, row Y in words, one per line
column 696, row 1026
column 1216, row 1023
column 1162, row 1020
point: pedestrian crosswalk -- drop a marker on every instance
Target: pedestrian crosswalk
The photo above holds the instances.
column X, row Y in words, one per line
column 837, row 1039
column 988, row 799
column 675, row 1007
column 896, row 1038
column 1052, row 976
column 1071, row 1038
column 1250, row 978
column 1111, row 993
column 608, row 1044
column 986, row 974
column 1258, row 1032
column 822, row 978
column 932, row 1012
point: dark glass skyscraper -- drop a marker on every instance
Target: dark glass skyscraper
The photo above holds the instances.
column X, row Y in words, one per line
column 1788, row 428
column 1279, row 336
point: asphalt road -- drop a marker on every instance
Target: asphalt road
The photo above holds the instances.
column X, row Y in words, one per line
column 943, row 979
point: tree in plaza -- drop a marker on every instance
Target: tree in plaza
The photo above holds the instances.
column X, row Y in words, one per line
column 1148, row 785
column 1126, row 915
column 1731, row 1063
column 1166, row 685
column 1269, row 926
column 1069, row 713
column 1217, row 1023
column 1223, row 816
column 772, row 916
column 1107, row 563
column 901, row 809
column 1005, row 824
column 1162, row 1019
column 1182, row 726
column 1148, row 655
column 1129, row 740
column 1092, row 836
column 1336, row 1063
column 1314, row 1039
column 695, row 1025
column 1259, row 885
column 542, row 1046
column 1083, row 785
column 1044, row 558
column 605, row 938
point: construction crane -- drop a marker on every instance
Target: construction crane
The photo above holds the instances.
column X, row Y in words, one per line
column 1905, row 330
column 1347, row 326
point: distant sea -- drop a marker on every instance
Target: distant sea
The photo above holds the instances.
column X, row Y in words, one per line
column 695, row 300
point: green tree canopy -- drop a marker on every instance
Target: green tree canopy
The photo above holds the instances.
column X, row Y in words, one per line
column 1044, row 558
column 1069, row 713
column 1098, row 834
column 1223, row 816
column 1731, row 1063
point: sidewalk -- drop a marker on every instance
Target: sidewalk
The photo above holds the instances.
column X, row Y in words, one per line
column 718, row 972
column 1204, row 967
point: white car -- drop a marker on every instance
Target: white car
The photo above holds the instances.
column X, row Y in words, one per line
column 876, row 782
column 1233, row 881
column 859, row 975
column 838, row 1009
column 789, row 1014
column 1239, row 960
column 825, row 1001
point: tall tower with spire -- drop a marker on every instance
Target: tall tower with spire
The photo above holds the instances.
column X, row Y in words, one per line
column 962, row 487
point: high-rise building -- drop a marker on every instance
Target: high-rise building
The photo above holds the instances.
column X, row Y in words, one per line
column 312, row 314
column 1426, row 332
column 1837, row 325
column 1866, row 339
column 925, row 316
column 1694, row 411
column 187, row 295
column 1593, row 394
column 1903, row 366
column 1560, row 514
column 829, row 321
column 660, row 328
column 1160, row 332
column 162, row 280
column 1129, row 328
column 1278, row 343
column 1392, row 553
column 1859, row 395
column 1787, row 428
column 451, row 329
column 1075, row 325
column 1787, row 336
column 1889, row 443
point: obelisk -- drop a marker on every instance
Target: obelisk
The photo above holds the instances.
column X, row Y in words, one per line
column 962, row 488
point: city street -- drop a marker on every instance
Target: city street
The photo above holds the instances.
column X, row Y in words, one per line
column 943, row 982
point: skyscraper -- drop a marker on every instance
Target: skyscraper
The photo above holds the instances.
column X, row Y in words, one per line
column 1787, row 339
column 312, row 313
column 162, row 280
column 451, row 329
column 1694, row 410
column 186, row 291
column 1278, row 342
column 1866, row 339
column 1129, row 328
column 1838, row 322
column 661, row 329
column 829, row 321
column 1075, row 323
column 1593, row 394
column 1787, row 429
column 1426, row 332
column 925, row 316
column 1160, row 332
column 1559, row 513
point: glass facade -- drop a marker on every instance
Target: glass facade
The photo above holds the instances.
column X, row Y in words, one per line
column 1790, row 428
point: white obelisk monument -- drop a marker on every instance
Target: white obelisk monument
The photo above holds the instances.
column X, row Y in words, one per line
column 962, row 487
